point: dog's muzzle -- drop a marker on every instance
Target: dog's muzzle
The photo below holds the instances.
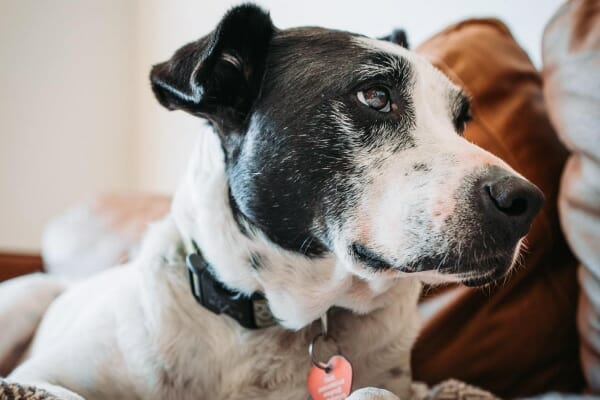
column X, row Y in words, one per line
column 496, row 211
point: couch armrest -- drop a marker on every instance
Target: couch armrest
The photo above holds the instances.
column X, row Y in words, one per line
column 15, row 264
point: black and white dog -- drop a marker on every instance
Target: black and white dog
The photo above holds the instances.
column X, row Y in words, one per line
column 334, row 180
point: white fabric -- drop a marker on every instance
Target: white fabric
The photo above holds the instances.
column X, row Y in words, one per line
column 571, row 59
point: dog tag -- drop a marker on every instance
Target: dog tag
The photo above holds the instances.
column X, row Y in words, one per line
column 333, row 382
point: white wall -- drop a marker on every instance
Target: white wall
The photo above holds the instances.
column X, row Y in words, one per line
column 65, row 100
column 77, row 115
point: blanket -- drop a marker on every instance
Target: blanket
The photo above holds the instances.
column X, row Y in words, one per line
column 447, row 390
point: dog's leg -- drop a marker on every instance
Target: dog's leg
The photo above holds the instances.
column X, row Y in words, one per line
column 372, row 394
column 23, row 302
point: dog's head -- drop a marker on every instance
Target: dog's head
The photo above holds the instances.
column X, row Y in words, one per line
column 337, row 143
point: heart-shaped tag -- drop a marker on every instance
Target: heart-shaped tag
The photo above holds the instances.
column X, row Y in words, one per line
column 334, row 383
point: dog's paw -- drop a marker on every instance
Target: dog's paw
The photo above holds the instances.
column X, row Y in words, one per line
column 372, row 394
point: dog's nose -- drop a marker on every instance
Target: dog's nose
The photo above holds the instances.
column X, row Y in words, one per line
column 510, row 201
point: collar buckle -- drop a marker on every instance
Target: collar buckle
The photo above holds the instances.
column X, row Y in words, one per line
column 251, row 312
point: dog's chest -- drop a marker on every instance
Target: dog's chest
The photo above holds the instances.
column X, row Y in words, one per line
column 224, row 362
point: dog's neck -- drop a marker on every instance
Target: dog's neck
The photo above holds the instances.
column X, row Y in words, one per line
column 299, row 288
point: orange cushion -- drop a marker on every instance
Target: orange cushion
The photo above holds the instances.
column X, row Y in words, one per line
column 517, row 338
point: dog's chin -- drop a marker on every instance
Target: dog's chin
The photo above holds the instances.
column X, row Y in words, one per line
column 501, row 265
column 472, row 273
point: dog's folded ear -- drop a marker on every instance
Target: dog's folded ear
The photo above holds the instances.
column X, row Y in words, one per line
column 398, row 36
column 219, row 76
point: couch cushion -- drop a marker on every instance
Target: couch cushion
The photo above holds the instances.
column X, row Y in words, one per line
column 519, row 337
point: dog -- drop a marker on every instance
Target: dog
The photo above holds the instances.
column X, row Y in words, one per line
column 333, row 180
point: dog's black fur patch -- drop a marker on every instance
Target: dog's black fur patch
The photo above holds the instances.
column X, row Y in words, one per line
column 218, row 76
column 292, row 180
column 277, row 108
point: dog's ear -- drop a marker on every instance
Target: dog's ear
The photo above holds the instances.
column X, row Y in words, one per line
column 219, row 76
column 398, row 36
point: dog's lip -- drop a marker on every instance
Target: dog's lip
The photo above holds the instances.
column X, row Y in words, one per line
column 484, row 279
column 476, row 282
column 377, row 262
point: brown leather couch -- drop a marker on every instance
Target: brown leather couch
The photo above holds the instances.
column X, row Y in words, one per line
column 16, row 264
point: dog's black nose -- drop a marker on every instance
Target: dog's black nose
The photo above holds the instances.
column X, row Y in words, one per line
column 510, row 201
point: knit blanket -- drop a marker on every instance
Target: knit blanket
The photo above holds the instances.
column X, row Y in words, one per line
column 447, row 390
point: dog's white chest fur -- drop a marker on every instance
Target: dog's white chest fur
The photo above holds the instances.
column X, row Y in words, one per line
column 149, row 339
column 146, row 337
column 210, row 356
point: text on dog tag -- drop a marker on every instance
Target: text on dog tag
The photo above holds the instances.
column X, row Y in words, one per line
column 333, row 382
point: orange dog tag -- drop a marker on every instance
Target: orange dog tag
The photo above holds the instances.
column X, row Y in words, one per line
column 331, row 383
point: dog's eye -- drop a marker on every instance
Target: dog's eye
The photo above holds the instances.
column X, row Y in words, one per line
column 463, row 115
column 463, row 119
column 377, row 98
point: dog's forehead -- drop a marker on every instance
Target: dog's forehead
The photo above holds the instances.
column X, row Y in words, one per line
column 330, row 53
column 432, row 78
column 308, row 56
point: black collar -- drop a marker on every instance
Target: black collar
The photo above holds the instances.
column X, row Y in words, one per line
column 251, row 312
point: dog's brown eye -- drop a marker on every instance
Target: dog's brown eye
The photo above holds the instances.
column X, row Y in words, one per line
column 463, row 114
column 376, row 98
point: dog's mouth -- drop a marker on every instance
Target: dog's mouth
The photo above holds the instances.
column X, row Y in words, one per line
column 471, row 273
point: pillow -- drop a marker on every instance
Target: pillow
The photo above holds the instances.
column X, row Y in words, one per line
column 519, row 337
column 571, row 54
